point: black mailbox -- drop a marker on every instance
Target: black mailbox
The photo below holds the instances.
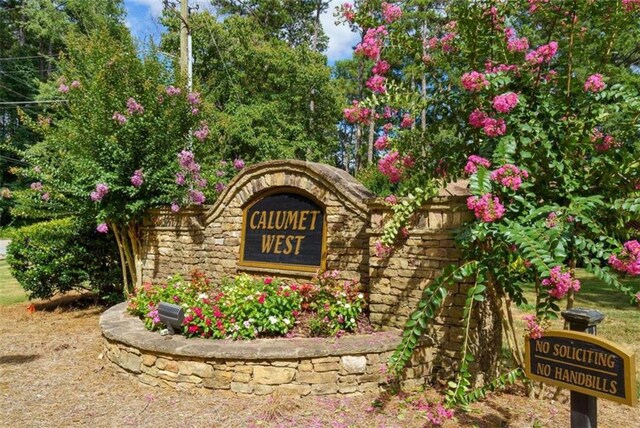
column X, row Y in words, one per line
column 171, row 315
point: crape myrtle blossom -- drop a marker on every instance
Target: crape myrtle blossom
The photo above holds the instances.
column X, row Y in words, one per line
column 45, row 196
column 506, row 102
column 193, row 98
column 509, row 176
column 628, row 261
column 372, row 43
column 486, row 208
column 381, row 142
column 474, row 81
column 391, row 12
column 238, row 164
column 534, row 329
column 137, row 179
column 381, row 67
column 515, row 44
column 389, row 166
column 202, row 133
column 36, row 186
column 347, row 12
column 119, row 117
column 133, row 107
column 407, row 121
column 542, row 54
column 172, row 91
column 476, row 118
column 631, row 5
column 594, row 83
column 63, row 88
column 560, row 282
column 357, row 114
column 376, row 84
column 102, row 228
column 101, row 191
column 473, row 162
column 494, row 127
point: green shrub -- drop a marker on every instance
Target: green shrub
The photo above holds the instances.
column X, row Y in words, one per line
column 61, row 255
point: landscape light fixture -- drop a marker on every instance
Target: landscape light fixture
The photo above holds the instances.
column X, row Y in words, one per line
column 171, row 315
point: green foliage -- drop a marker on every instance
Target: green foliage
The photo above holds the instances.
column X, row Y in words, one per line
column 63, row 255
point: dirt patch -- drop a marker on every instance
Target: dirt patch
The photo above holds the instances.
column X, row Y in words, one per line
column 52, row 373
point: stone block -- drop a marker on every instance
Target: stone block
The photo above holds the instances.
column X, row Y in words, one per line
column 273, row 375
column 325, row 360
column 262, row 389
column 241, row 388
column 219, row 380
column 130, row 362
column 354, row 364
column 369, row 387
column 149, row 360
column 314, row 378
column 168, row 365
column 148, row 379
column 324, row 388
column 293, row 389
column 347, row 389
column 202, row 370
column 326, row 367
column 241, row 377
column 305, row 367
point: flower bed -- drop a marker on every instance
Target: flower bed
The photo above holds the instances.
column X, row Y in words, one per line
column 247, row 308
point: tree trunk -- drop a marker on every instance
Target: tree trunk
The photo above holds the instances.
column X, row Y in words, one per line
column 129, row 247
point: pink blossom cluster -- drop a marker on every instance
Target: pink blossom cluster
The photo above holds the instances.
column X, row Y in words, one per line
column 75, row 84
column 376, row 84
column 500, row 68
column 137, row 179
column 102, row 228
column 101, row 191
column 542, row 54
column 381, row 249
column 381, row 142
column 515, row 44
column 631, row 5
column 506, row 102
column 390, row 166
column 193, row 98
column 436, row 414
column 602, row 142
column 388, row 112
column 134, row 107
column 444, row 42
column 473, row 162
column 238, row 164
column 594, row 83
column 535, row 4
column 372, row 42
column 486, row 208
column 551, row 220
column 189, row 168
column 381, row 67
column 407, row 121
column 36, row 186
column 119, row 117
column 628, row 261
column 534, row 329
column 560, row 282
column 391, row 199
column 196, row 197
column 63, row 88
column 153, row 314
column 201, row 133
column 172, row 91
column 391, row 12
column 357, row 114
column 494, row 127
column 509, row 176
column 474, row 81
column 347, row 12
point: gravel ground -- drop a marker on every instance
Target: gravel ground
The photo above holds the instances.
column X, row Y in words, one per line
column 52, row 374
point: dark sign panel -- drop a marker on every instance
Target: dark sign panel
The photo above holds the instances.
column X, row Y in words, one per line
column 584, row 363
column 284, row 231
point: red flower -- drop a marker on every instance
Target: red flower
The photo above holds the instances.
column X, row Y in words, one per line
column 261, row 298
column 268, row 280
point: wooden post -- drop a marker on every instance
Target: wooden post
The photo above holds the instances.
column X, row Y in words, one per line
column 584, row 408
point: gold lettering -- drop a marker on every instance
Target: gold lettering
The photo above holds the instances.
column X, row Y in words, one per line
column 267, row 243
column 291, row 221
column 280, row 218
column 314, row 216
column 262, row 223
column 303, row 218
column 613, row 387
column 299, row 239
column 277, row 249
column 542, row 346
column 288, row 244
column 270, row 224
column 251, row 221
column 555, row 349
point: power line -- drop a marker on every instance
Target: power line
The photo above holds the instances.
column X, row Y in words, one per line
column 16, row 161
column 11, row 58
column 24, row 82
column 17, row 93
column 10, row 103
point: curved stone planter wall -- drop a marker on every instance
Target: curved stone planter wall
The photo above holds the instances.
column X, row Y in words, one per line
column 315, row 366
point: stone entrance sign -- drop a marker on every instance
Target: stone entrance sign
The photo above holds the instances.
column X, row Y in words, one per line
column 283, row 230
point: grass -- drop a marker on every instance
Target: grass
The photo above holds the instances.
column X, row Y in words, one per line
column 10, row 291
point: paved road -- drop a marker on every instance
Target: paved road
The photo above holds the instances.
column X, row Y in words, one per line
column 3, row 247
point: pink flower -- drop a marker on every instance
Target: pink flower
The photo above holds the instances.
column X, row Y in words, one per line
column 75, row 84
column 268, row 280
column 376, row 84
column 389, row 165
column 494, row 127
column 100, row 192
column 476, row 118
column 474, row 81
column 137, row 178
column 509, row 176
column 172, row 90
column 560, row 282
column 486, row 208
column 175, row 207
column 220, row 187
column 391, row 199
column 474, row 162
column 631, row 5
column 180, row 179
column 628, row 261
column 381, row 142
column 518, row 45
column 382, row 250
column 407, row 121
column 533, row 328
column 36, row 186
column 119, row 117
column 133, row 107
column 506, row 102
column 594, row 83
column 542, row 54
column 381, row 67
column 45, row 196
column 357, row 114
column 372, row 43
column 102, row 228
column 197, row 197
column 551, row 221
column 347, row 12
column 391, row 12
column 387, row 127
column 261, row 298
column 202, row 133
column 238, row 164
column 193, row 98
column 63, row 88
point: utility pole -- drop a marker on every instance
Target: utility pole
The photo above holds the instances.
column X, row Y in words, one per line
column 185, row 46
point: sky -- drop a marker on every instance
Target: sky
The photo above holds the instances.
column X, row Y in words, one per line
column 142, row 20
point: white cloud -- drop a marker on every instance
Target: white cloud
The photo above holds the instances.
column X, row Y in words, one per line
column 341, row 39
column 155, row 6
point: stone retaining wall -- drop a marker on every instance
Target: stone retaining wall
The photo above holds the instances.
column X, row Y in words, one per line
column 347, row 365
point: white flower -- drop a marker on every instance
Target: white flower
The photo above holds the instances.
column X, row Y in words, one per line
column 202, row 296
column 286, row 321
column 360, row 296
column 248, row 298
column 273, row 319
column 347, row 305
column 352, row 321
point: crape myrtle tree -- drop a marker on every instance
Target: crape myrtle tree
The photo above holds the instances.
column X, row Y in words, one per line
column 125, row 139
column 537, row 103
